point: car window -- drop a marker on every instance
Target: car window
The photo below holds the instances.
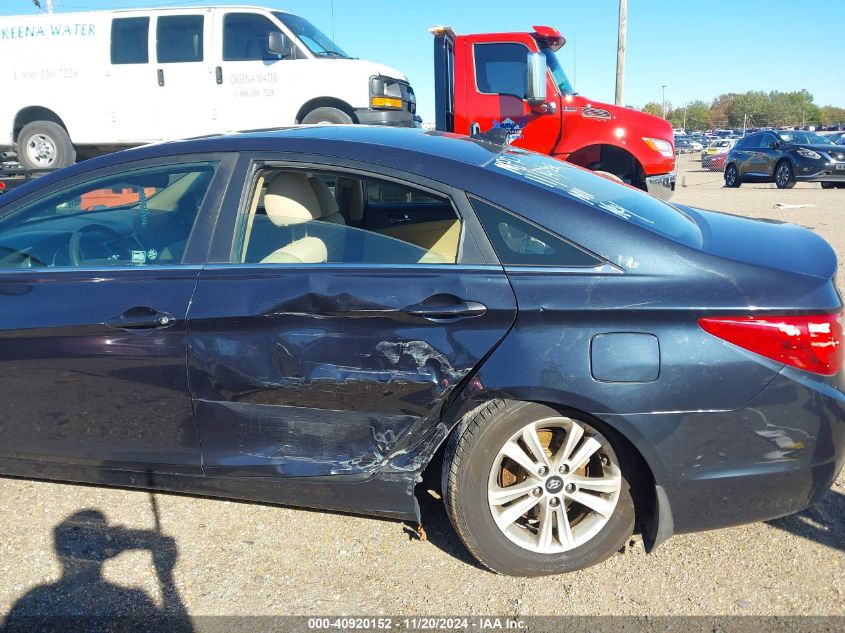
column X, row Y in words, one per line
column 598, row 192
column 245, row 37
column 501, row 69
column 179, row 39
column 325, row 218
column 766, row 141
column 517, row 242
column 130, row 40
column 139, row 217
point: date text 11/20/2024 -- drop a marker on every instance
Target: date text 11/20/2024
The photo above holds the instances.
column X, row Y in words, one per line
column 416, row 624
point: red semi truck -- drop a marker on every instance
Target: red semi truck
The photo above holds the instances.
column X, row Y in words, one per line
column 511, row 88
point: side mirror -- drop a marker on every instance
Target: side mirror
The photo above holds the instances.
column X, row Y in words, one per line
column 536, row 78
column 775, row 145
column 276, row 45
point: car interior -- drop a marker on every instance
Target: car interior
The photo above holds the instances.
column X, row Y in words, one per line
column 310, row 218
column 140, row 218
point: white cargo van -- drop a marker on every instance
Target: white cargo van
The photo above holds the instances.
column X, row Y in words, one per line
column 92, row 82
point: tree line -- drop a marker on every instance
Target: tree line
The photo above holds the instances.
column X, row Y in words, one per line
column 753, row 108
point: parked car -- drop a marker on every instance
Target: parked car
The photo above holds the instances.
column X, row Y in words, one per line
column 719, row 146
column 683, row 146
column 785, row 157
column 714, row 162
column 321, row 316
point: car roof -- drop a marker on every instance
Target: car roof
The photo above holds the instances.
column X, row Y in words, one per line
column 374, row 144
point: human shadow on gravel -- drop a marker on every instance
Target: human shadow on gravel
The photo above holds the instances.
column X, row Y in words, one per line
column 824, row 523
column 82, row 600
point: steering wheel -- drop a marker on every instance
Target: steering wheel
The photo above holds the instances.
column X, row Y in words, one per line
column 75, row 249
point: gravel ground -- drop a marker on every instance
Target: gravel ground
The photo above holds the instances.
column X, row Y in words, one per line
column 232, row 558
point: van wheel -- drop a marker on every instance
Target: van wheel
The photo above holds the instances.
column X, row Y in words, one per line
column 532, row 492
column 45, row 145
column 784, row 176
column 326, row 116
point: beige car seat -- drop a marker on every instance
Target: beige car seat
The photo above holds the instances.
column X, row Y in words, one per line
column 289, row 201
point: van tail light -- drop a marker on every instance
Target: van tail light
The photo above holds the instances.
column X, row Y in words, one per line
column 812, row 343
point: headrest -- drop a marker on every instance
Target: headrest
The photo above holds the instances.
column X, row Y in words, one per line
column 328, row 203
column 290, row 199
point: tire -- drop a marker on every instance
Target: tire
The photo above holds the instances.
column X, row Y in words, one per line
column 732, row 177
column 45, row 145
column 474, row 471
column 327, row 115
column 828, row 185
column 784, row 175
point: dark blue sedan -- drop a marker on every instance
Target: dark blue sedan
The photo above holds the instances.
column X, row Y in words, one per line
column 321, row 316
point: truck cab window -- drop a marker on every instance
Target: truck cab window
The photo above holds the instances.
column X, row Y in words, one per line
column 130, row 40
column 179, row 39
column 245, row 38
column 501, row 69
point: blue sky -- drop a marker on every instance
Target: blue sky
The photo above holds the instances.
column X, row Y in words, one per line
column 698, row 48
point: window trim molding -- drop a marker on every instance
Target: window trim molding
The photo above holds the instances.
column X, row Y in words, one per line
column 475, row 69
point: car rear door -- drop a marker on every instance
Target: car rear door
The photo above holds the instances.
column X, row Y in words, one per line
column 96, row 275
column 333, row 368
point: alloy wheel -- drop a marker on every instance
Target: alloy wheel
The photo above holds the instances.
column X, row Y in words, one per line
column 553, row 485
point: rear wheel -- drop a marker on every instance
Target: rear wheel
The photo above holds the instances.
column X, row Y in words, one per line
column 732, row 178
column 784, row 175
column 533, row 492
column 828, row 185
column 326, row 116
column 45, row 145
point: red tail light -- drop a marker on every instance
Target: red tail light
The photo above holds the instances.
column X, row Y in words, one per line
column 812, row 343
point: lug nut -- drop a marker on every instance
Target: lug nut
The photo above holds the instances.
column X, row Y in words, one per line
column 563, row 469
column 537, row 491
column 542, row 470
column 554, row 502
column 605, row 461
column 570, row 488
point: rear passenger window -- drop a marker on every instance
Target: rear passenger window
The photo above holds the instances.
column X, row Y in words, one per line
column 130, row 41
column 246, row 38
column 306, row 218
column 179, row 39
column 520, row 243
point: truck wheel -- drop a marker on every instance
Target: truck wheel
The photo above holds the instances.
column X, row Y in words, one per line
column 45, row 145
column 533, row 492
column 325, row 116
column 732, row 179
column 784, row 176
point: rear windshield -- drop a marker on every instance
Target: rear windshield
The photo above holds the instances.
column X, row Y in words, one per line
column 624, row 202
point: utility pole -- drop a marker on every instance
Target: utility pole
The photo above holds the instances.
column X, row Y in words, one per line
column 664, row 100
column 620, row 51
column 49, row 6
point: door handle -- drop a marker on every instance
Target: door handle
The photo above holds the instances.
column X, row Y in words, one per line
column 219, row 74
column 460, row 310
column 141, row 318
column 398, row 219
column 160, row 77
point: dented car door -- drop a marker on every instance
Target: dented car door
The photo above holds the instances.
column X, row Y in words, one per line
column 317, row 369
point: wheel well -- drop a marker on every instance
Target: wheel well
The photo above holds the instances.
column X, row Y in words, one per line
column 642, row 480
column 615, row 160
column 325, row 102
column 34, row 113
